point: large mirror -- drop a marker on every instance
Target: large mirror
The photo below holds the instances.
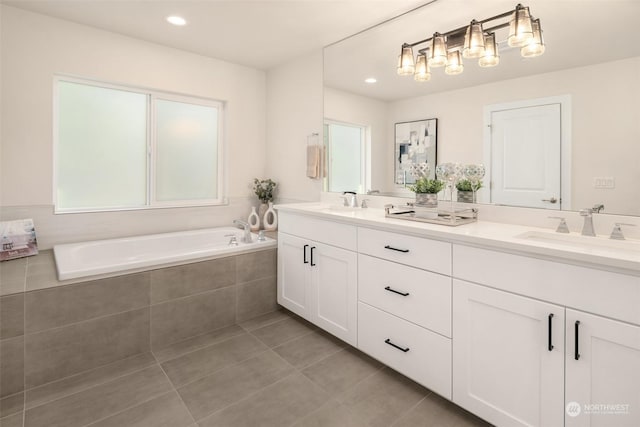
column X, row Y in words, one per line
column 591, row 70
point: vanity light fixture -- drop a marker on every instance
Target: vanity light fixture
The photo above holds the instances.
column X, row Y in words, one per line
column 473, row 41
column 176, row 20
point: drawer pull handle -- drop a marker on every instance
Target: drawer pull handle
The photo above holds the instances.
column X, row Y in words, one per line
column 404, row 251
column 550, row 346
column 404, row 350
column 313, row 264
column 404, row 294
column 576, row 353
column 304, row 254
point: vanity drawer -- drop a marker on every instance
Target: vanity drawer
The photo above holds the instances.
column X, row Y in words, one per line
column 417, row 252
column 428, row 358
column 428, row 299
column 596, row 291
column 329, row 232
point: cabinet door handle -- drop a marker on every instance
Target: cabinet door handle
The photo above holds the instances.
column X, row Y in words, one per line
column 550, row 336
column 312, row 263
column 304, row 254
column 402, row 349
column 576, row 352
column 404, row 294
column 396, row 249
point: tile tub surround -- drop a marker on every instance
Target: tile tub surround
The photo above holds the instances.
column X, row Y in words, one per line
column 55, row 330
column 241, row 376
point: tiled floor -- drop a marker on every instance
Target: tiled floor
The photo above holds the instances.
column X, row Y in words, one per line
column 275, row 370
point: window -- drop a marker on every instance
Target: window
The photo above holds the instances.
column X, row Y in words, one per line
column 346, row 154
column 124, row 148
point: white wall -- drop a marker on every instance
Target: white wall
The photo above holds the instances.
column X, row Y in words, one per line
column 347, row 107
column 294, row 111
column 35, row 47
column 606, row 125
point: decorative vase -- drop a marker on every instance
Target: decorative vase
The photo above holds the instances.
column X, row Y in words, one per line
column 427, row 200
column 254, row 220
column 262, row 209
column 465, row 196
column 270, row 219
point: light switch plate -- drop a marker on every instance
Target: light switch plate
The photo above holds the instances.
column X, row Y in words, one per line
column 606, row 182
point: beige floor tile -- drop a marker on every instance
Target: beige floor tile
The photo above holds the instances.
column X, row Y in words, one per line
column 331, row 414
column 283, row 331
column 101, row 401
column 232, row 384
column 256, row 298
column 342, row 370
column 67, row 386
column 280, row 404
column 435, row 411
column 11, row 404
column 164, row 411
column 12, row 421
column 265, row 319
column 191, row 344
column 203, row 362
column 383, row 397
column 310, row 348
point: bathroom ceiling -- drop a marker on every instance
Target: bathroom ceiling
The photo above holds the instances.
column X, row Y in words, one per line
column 259, row 33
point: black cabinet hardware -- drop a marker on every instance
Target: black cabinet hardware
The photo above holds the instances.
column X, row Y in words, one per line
column 396, row 249
column 550, row 339
column 404, row 294
column 312, row 263
column 304, row 254
column 402, row 349
column 576, row 352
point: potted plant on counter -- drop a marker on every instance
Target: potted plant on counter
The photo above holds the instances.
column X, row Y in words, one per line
column 466, row 190
column 427, row 190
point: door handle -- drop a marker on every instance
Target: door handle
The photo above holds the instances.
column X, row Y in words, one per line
column 552, row 200
column 312, row 263
column 396, row 249
column 576, row 352
column 304, row 254
column 402, row 349
column 404, row 294
column 550, row 346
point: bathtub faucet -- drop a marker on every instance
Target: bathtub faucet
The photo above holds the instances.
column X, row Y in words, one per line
column 247, row 231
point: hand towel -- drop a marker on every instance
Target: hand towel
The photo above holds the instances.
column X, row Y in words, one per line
column 313, row 162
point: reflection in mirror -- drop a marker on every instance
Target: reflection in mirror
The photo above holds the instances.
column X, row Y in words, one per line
column 346, row 157
column 599, row 78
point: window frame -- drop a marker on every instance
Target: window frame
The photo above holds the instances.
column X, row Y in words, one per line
column 365, row 153
column 152, row 95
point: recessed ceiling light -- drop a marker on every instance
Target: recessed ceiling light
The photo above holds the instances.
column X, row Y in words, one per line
column 370, row 80
column 176, row 20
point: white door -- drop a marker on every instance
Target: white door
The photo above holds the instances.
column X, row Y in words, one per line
column 294, row 274
column 508, row 357
column 603, row 372
column 334, row 282
column 525, row 156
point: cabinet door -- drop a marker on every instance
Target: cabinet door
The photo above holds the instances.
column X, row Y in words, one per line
column 602, row 372
column 334, row 283
column 293, row 274
column 507, row 368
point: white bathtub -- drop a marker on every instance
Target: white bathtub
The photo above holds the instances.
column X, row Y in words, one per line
column 101, row 257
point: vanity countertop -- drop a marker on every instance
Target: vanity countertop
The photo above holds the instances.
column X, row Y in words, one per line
column 603, row 253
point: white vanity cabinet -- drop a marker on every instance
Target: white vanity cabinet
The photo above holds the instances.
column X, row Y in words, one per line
column 317, row 273
column 404, row 313
column 508, row 357
column 504, row 369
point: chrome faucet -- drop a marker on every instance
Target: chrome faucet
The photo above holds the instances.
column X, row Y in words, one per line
column 246, row 238
column 350, row 199
column 587, row 228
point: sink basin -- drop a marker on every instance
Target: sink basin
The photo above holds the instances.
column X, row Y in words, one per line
column 581, row 242
column 341, row 208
